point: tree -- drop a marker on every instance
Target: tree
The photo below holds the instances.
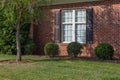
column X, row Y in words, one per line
column 20, row 12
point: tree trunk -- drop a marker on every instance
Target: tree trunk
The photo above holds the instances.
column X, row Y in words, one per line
column 18, row 45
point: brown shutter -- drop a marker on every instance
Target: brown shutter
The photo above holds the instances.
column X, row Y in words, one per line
column 57, row 26
column 89, row 31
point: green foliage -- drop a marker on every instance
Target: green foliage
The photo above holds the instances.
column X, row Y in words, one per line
column 7, row 33
column 29, row 47
column 51, row 49
column 7, row 36
column 104, row 51
column 74, row 48
column 16, row 13
column 8, row 39
column 27, row 10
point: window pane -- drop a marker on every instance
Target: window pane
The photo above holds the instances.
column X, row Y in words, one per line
column 67, row 32
column 67, row 16
column 80, row 27
column 80, row 33
column 80, row 16
column 69, row 39
column 81, row 39
column 83, row 33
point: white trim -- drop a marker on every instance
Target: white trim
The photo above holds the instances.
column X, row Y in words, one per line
column 73, row 28
column 74, row 22
column 66, row 42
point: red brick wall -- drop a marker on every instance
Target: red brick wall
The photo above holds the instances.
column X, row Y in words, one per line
column 106, row 27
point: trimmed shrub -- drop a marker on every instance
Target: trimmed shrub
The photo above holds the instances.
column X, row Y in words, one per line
column 74, row 48
column 51, row 49
column 104, row 51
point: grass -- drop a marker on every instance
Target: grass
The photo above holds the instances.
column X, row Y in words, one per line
column 58, row 69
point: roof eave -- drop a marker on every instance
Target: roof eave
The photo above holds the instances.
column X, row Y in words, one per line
column 58, row 2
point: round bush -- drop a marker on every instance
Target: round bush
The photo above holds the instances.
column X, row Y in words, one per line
column 51, row 49
column 74, row 48
column 104, row 51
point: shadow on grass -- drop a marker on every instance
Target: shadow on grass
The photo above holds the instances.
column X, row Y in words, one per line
column 63, row 59
column 50, row 59
column 88, row 59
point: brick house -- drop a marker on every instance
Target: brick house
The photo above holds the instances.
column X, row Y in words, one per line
column 88, row 22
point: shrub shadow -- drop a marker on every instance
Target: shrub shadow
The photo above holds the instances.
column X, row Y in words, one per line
column 76, row 59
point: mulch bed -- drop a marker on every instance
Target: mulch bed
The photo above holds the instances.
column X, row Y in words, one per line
column 14, row 62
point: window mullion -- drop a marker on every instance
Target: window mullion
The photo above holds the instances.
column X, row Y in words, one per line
column 73, row 28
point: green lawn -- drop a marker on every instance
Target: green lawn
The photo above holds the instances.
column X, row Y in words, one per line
column 58, row 69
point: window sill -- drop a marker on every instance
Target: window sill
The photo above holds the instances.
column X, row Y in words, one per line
column 65, row 44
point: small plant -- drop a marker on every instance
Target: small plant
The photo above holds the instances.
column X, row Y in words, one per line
column 104, row 51
column 74, row 48
column 51, row 49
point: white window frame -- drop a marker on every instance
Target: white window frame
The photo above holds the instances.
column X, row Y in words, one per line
column 73, row 26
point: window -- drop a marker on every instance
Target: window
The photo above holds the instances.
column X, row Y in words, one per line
column 73, row 25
